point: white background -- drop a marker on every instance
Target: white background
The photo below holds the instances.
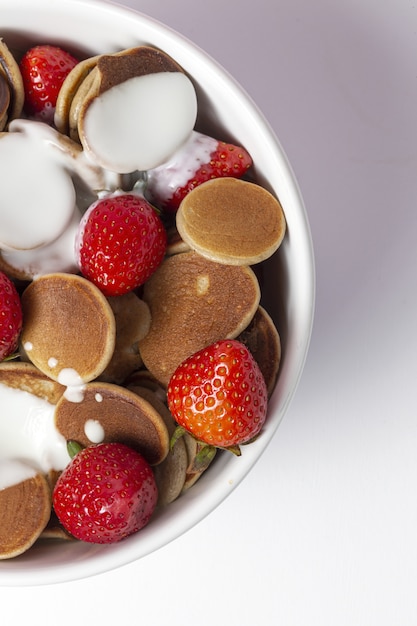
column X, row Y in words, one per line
column 323, row 532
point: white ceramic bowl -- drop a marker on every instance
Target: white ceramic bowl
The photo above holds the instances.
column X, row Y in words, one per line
column 91, row 27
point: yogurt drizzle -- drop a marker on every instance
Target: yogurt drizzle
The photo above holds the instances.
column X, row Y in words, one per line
column 29, row 440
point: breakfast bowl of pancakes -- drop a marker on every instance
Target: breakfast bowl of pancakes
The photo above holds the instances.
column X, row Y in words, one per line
column 251, row 279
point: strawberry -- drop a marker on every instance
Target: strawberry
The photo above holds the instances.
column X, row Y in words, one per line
column 219, row 395
column 121, row 241
column 10, row 316
column 106, row 492
column 44, row 69
column 199, row 160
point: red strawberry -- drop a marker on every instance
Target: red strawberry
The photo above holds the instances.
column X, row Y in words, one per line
column 10, row 316
column 120, row 243
column 107, row 492
column 199, row 160
column 44, row 69
column 219, row 395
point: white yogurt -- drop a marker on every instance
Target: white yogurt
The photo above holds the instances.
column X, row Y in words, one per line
column 14, row 471
column 75, row 386
column 29, row 440
column 58, row 256
column 146, row 119
column 164, row 180
column 94, row 431
column 37, row 193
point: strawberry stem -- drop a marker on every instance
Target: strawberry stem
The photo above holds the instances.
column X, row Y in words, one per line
column 12, row 357
column 177, row 434
column 234, row 450
column 204, row 457
column 73, row 448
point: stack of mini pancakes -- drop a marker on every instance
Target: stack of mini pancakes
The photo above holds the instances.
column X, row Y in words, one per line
column 12, row 94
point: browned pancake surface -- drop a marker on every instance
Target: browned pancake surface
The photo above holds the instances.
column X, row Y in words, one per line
column 25, row 509
column 263, row 340
column 124, row 416
column 194, row 302
column 27, row 377
column 9, row 69
column 170, row 475
column 116, row 68
column 67, row 319
column 69, row 89
column 231, row 221
column 133, row 320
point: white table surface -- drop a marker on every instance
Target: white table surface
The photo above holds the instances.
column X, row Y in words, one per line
column 323, row 532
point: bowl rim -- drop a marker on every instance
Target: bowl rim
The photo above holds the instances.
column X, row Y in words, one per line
column 95, row 560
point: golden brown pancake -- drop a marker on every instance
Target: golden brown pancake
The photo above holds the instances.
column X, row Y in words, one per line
column 231, row 221
column 87, row 90
column 25, row 509
column 68, row 91
column 263, row 341
column 95, row 75
column 68, row 326
column 54, row 530
column 194, row 302
column 122, row 415
column 170, row 475
column 4, row 101
column 27, row 377
column 133, row 320
column 175, row 244
column 144, row 379
column 10, row 72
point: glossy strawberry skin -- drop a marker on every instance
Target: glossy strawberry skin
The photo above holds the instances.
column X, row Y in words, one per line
column 219, row 160
column 219, row 395
column 10, row 316
column 106, row 493
column 120, row 243
column 44, row 69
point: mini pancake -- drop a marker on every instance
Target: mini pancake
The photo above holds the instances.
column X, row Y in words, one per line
column 68, row 329
column 194, row 302
column 89, row 88
column 111, row 413
column 182, row 468
column 170, row 475
column 133, row 320
column 25, row 509
column 54, row 530
column 57, row 256
column 9, row 70
column 4, row 101
column 120, row 95
column 69, row 89
column 175, row 244
column 27, row 377
column 262, row 339
column 94, row 75
column 144, row 379
column 231, row 221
